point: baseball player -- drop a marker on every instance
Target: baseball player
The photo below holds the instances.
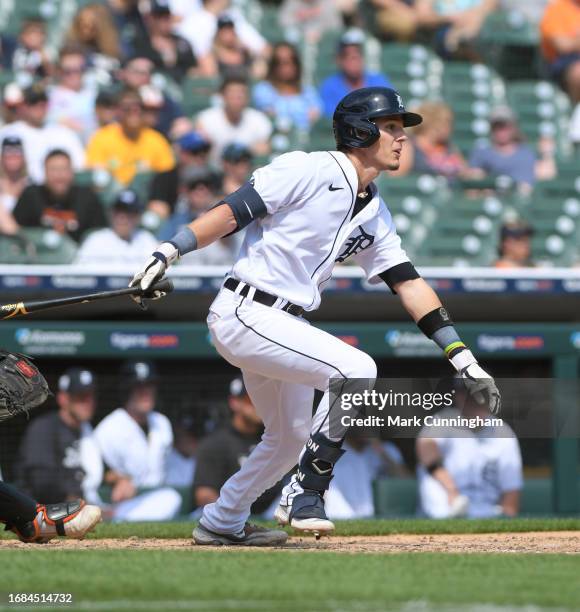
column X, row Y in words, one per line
column 303, row 213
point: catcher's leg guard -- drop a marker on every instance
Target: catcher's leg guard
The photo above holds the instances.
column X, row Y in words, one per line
column 68, row 519
column 314, row 475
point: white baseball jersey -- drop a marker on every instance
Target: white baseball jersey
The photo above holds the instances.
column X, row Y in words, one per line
column 482, row 466
column 128, row 450
column 310, row 197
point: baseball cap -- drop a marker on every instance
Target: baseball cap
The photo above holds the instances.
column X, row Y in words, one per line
column 352, row 37
column 236, row 152
column 160, row 7
column 76, row 380
column 11, row 142
column 225, row 21
column 193, row 142
column 238, row 388
column 502, row 114
column 35, row 93
column 516, row 229
column 192, row 176
column 139, row 372
column 128, row 200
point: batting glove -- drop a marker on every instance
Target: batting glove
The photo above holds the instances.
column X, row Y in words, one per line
column 154, row 271
column 479, row 384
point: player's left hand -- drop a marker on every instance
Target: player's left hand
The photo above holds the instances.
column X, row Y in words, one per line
column 481, row 386
column 153, row 271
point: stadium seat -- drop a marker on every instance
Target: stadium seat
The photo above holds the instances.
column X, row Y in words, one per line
column 395, row 497
column 197, row 93
column 50, row 247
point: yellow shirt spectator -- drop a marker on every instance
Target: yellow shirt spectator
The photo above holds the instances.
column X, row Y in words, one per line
column 123, row 157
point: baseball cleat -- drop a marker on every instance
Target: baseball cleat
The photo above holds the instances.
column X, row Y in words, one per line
column 307, row 514
column 68, row 519
column 251, row 535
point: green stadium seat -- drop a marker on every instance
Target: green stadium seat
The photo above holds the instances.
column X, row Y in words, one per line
column 197, row 93
column 50, row 246
column 395, row 497
column 16, row 250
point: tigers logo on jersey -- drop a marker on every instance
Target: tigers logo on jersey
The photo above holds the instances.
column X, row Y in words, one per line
column 356, row 244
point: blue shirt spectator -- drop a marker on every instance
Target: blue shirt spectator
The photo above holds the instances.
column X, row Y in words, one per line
column 506, row 154
column 351, row 73
column 282, row 95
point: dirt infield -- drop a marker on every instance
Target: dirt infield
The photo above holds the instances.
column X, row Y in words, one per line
column 562, row 542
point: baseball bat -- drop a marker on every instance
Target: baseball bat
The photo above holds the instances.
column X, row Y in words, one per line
column 9, row 311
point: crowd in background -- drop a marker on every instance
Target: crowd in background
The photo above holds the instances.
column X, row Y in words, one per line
column 105, row 102
column 137, row 465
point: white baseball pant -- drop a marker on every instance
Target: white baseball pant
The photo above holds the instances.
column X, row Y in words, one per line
column 283, row 359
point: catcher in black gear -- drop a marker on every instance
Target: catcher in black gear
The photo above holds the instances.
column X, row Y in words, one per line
column 22, row 388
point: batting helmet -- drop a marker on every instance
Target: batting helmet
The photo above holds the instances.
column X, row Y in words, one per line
column 353, row 118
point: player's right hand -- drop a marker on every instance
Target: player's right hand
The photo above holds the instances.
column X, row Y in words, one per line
column 154, row 270
column 482, row 387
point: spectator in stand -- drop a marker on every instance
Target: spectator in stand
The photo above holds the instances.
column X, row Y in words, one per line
column 191, row 150
column 236, row 166
column 229, row 58
column 200, row 189
column 122, row 243
column 58, row 203
column 282, row 96
column 457, row 24
column 136, row 73
column 221, row 454
column 515, row 247
column 351, row 490
column 70, row 102
column 31, row 56
column 187, row 432
column 94, row 31
column 560, row 40
column 351, row 72
column 152, row 99
column 466, row 471
column 430, row 151
column 201, row 26
column 58, row 457
column 396, row 19
column 170, row 53
column 128, row 146
column 13, row 180
column 105, row 108
column 135, row 442
column 309, row 19
column 129, row 23
column 38, row 138
column 506, row 154
column 234, row 122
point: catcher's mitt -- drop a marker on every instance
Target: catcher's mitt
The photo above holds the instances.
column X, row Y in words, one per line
column 22, row 386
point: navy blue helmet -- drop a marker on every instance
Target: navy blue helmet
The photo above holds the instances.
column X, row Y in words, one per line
column 353, row 118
